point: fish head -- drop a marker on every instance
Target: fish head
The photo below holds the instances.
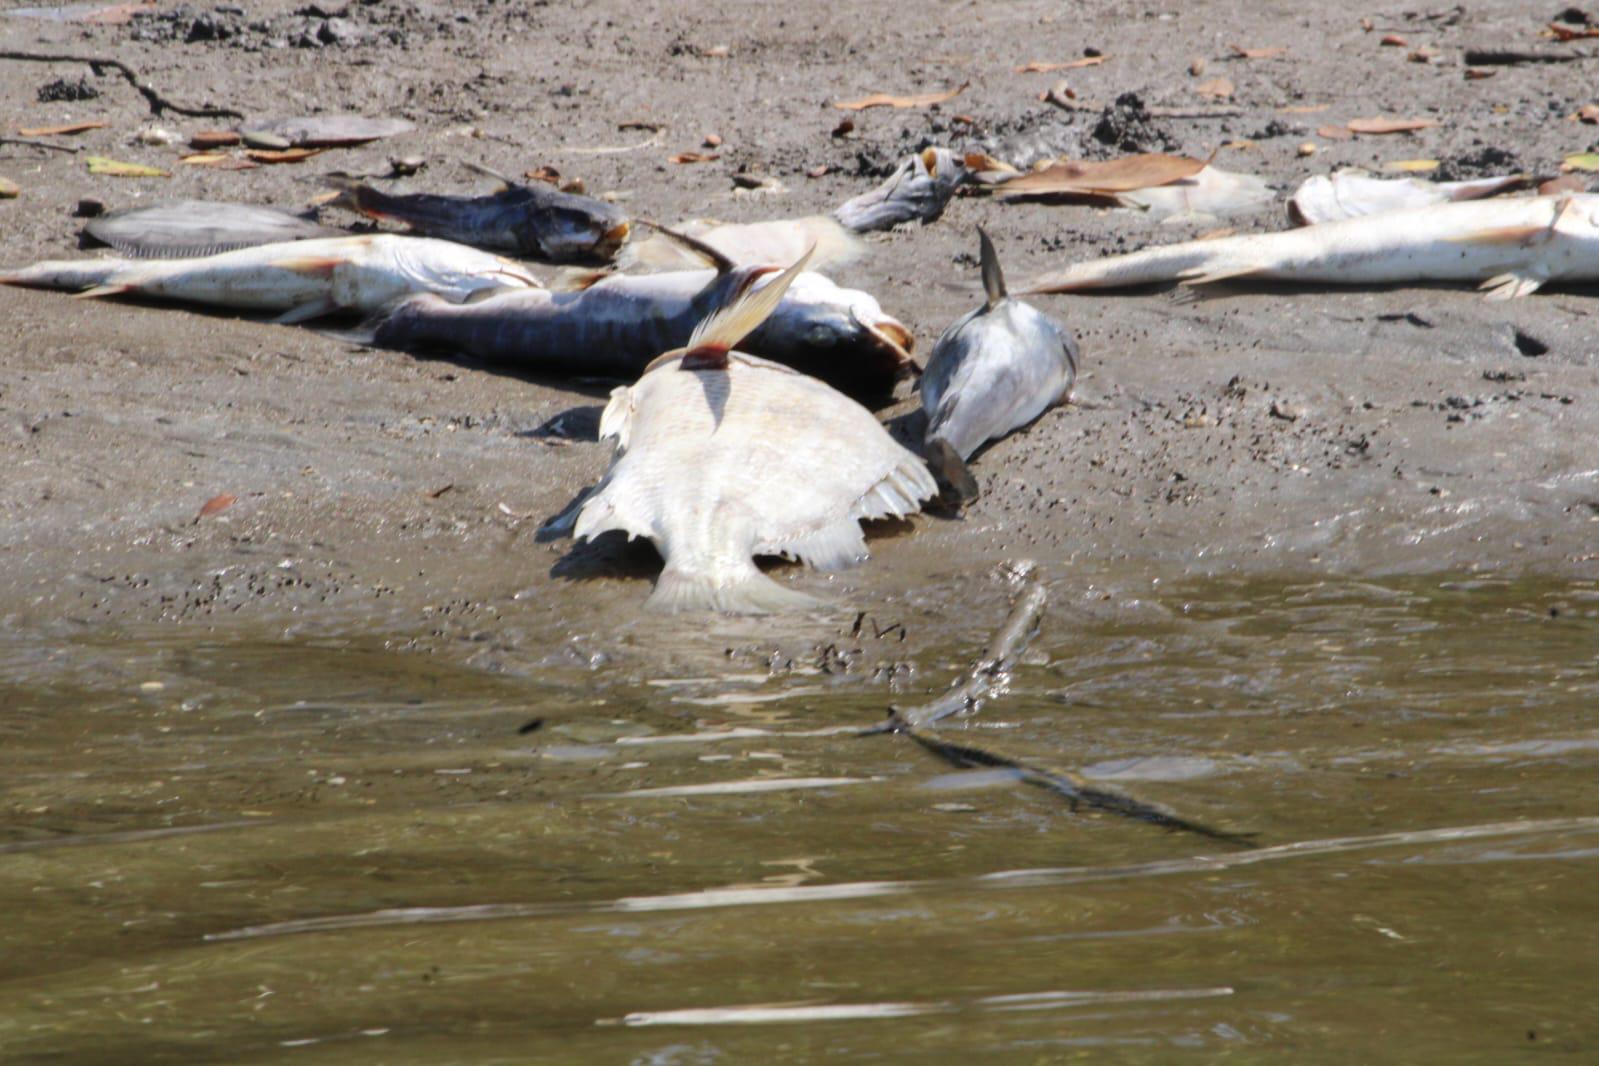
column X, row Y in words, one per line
column 454, row 270
column 839, row 335
column 566, row 228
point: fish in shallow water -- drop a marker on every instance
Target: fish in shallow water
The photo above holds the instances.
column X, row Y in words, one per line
column 617, row 325
column 185, row 228
column 1350, row 193
column 303, row 279
column 995, row 370
column 1513, row 246
column 724, row 456
column 535, row 220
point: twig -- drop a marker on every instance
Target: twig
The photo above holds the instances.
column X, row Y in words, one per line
column 1064, row 104
column 158, row 103
column 31, row 143
column 1509, row 57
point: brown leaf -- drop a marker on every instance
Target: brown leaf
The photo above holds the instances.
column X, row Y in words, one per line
column 546, row 173
column 1068, row 178
column 713, row 140
column 1197, row 67
column 1422, row 55
column 216, row 505
column 1393, row 40
column 1587, row 113
column 695, row 157
column 1564, row 183
column 1562, row 32
column 204, row 159
column 1220, row 88
column 1390, row 125
column 1335, row 133
column 1240, row 52
column 436, row 493
column 885, row 100
column 1367, row 25
column 284, row 155
column 1303, row 109
column 647, row 125
column 1479, row 74
column 9, row 190
column 214, row 139
column 844, row 128
column 1037, row 67
column 816, row 171
column 61, row 131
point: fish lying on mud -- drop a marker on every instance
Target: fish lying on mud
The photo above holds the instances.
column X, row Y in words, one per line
column 1351, row 193
column 187, row 228
column 993, row 371
column 618, row 324
column 303, row 279
column 723, row 456
column 918, row 190
column 1206, row 197
column 1514, row 246
column 534, row 220
column 777, row 242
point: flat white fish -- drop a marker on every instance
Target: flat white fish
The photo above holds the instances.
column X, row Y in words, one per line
column 187, row 228
column 303, row 279
column 724, row 456
column 776, row 242
column 995, row 370
column 1351, row 192
column 1513, row 246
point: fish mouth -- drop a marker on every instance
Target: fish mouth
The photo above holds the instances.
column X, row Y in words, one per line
column 613, row 239
column 892, row 339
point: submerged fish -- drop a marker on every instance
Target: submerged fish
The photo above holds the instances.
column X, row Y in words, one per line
column 723, row 456
column 1351, row 193
column 778, row 242
column 1517, row 244
column 535, row 220
column 184, row 228
column 995, row 370
column 917, row 191
column 303, row 279
column 617, row 325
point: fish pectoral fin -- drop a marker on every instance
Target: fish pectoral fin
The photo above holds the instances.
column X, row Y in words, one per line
column 1202, row 275
column 307, row 311
column 312, row 266
column 835, row 547
column 118, row 289
column 1513, row 285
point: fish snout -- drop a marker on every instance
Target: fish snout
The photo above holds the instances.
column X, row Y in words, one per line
column 890, row 338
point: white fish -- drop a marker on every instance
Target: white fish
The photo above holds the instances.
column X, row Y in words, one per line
column 1351, row 192
column 303, row 279
column 723, row 456
column 1208, row 196
column 1514, row 246
column 995, row 370
column 777, row 242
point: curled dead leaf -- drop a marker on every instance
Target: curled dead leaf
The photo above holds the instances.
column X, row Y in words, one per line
column 647, row 125
column 9, row 190
column 63, row 130
column 816, row 171
column 1412, row 166
column 216, row 505
column 1240, row 52
column 1197, row 67
column 546, row 173
column 214, row 139
column 713, row 140
column 1220, row 88
column 1562, row 32
column 1049, row 68
column 1479, row 74
column 203, row 159
column 1393, row 40
column 901, row 102
column 1087, row 178
column 113, row 168
column 1587, row 113
column 283, row 155
column 1302, row 109
column 1334, row 133
column 844, row 128
column 1378, row 125
column 695, row 157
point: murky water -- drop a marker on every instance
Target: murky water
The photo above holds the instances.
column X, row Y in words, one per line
column 235, row 850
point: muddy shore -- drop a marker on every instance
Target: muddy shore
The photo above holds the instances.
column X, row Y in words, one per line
column 1260, row 430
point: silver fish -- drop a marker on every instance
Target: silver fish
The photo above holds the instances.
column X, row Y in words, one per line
column 723, row 456
column 618, row 324
column 1350, row 193
column 303, row 279
column 995, row 370
column 917, row 191
column 1517, row 244
column 186, row 228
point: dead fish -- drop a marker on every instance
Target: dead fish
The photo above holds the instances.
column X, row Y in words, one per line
column 917, row 190
column 535, row 220
column 1205, row 197
column 723, row 456
column 778, row 242
column 199, row 227
column 325, row 131
column 1351, row 193
column 995, row 370
column 1517, row 244
column 616, row 325
column 303, row 279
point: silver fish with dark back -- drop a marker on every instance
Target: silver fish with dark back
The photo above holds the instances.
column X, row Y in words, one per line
column 185, row 228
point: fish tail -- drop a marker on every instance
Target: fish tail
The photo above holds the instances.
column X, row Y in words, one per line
column 746, row 591
column 69, row 275
column 954, row 477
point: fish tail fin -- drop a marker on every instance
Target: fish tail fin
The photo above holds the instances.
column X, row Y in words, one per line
column 739, row 317
column 65, row 274
column 954, row 477
column 993, row 276
column 747, row 591
column 836, row 245
column 693, row 246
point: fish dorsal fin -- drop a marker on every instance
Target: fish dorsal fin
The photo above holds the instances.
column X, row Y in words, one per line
column 993, row 276
column 746, row 308
column 714, row 256
column 505, row 182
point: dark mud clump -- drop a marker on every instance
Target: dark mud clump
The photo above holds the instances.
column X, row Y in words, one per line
column 310, row 26
column 1126, row 126
column 62, row 89
column 1487, row 161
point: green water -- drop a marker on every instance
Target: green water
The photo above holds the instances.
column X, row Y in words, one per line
column 358, row 856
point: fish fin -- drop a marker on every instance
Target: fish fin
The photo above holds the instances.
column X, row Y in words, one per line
column 313, row 266
column 505, row 182
column 115, row 289
column 602, row 512
column 898, row 493
column 617, row 419
column 746, row 591
column 1512, row 285
column 950, row 470
column 717, row 335
column 993, row 276
column 576, row 280
column 836, row 244
column 307, row 311
column 1201, row 275
column 1504, row 235
column 723, row 263
column 834, row 547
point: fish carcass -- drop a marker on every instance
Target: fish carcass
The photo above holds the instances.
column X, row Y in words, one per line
column 1350, row 193
column 614, row 327
column 776, row 242
column 1513, row 246
column 918, row 190
column 185, row 228
column 535, row 220
column 995, row 370
column 303, row 279
column 723, row 456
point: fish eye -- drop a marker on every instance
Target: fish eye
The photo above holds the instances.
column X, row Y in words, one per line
column 821, row 335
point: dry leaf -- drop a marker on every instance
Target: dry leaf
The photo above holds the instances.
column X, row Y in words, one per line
column 1390, row 125
column 1334, row 133
column 1307, row 148
column 885, row 100
column 282, row 155
column 1412, row 166
column 216, row 505
column 1240, row 52
column 844, row 128
column 1587, row 113
column 1562, row 32
column 716, row 51
column 713, row 140
column 1220, row 88
column 203, row 159
column 214, row 139
column 1049, row 68
column 1422, row 55
column 1132, row 172
column 1197, row 67
column 1479, row 74
column 1564, row 183
column 101, row 165
column 816, row 171
column 1302, row 109
column 61, row 131
column 1367, row 25
column 695, row 157
column 1393, row 40
column 1587, row 162
column 9, row 190
column 546, row 174
column 644, row 124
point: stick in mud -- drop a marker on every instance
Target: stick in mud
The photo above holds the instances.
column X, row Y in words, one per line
column 158, row 103
column 990, row 677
